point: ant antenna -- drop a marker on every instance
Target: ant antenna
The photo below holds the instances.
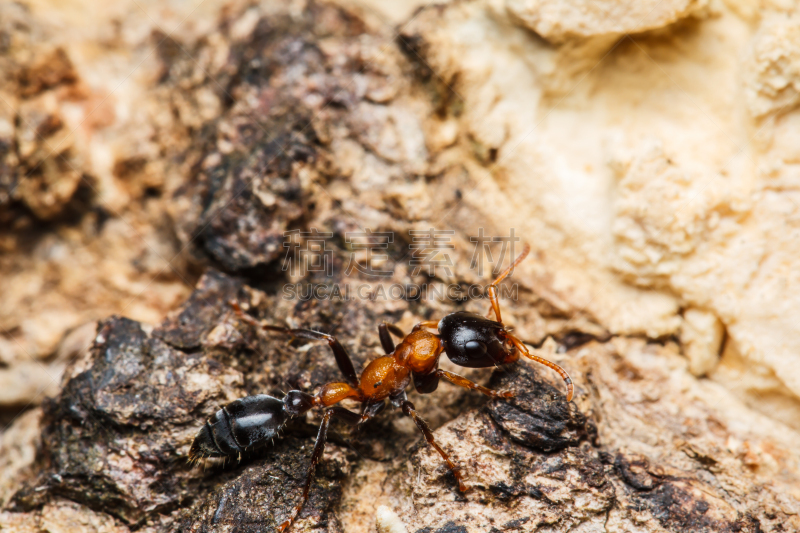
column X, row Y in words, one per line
column 541, row 360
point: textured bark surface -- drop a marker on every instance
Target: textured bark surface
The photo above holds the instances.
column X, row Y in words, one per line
column 152, row 160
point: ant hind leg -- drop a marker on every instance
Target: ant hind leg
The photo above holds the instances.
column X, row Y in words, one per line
column 385, row 331
column 408, row 410
column 316, row 455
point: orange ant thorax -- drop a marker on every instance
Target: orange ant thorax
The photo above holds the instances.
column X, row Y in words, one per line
column 419, row 351
column 382, row 377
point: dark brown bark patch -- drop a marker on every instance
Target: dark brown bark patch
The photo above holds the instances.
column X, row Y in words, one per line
column 538, row 416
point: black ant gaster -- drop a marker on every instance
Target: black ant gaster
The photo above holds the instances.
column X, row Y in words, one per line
column 468, row 339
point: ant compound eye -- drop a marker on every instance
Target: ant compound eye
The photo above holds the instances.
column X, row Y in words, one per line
column 475, row 348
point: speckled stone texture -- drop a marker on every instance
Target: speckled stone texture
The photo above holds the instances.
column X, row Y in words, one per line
column 152, row 158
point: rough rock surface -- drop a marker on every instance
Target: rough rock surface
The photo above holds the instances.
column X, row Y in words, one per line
column 558, row 21
column 111, row 435
column 532, row 473
column 152, row 158
column 684, row 200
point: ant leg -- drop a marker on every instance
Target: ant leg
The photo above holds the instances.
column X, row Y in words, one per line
column 493, row 287
column 432, row 324
column 495, row 304
column 370, row 411
column 319, row 448
column 561, row 372
column 455, row 379
column 343, row 360
column 408, row 410
column 385, row 331
column 425, row 383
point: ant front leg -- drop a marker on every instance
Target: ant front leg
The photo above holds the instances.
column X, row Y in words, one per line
column 343, row 360
column 385, row 331
column 431, row 324
column 425, row 383
column 455, row 379
column 370, row 411
column 316, row 455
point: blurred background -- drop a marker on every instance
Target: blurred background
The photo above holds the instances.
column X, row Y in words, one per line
column 648, row 151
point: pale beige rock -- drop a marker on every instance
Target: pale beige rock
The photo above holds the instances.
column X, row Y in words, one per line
column 773, row 66
column 557, row 21
column 77, row 342
column 551, row 179
column 61, row 516
column 17, row 451
column 760, row 387
column 8, row 352
column 29, row 383
column 43, row 332
column 654, row 174
column 641, row 172
column 710, row 238
column 701, row 339
column 663, row 214
column 387, row 521
column 46, row 145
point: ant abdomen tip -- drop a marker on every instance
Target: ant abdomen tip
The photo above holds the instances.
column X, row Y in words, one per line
column 203, row 445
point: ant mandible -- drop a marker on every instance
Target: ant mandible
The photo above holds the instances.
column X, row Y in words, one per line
column 468, row 339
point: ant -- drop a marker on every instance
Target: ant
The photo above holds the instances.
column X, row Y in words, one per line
column 469, row 340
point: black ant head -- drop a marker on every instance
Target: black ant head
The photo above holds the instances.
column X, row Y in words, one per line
column 474, row 341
